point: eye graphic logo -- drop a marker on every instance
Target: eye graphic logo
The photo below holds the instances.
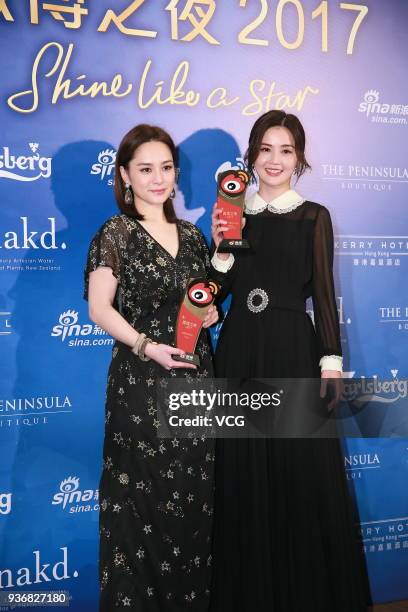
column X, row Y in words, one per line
column 371, row 96
column 67, row 325
column 105, row 165
column 202, row 293
column 107, row 157
column 234, row 183
column 69, row 484
column 70, row 317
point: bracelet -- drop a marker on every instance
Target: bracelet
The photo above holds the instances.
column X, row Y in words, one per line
column 136, row 347
column 140, row 346
column 141, row 352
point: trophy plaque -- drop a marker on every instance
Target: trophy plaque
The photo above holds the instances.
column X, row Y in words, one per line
column 199, row 296
column 232, row 185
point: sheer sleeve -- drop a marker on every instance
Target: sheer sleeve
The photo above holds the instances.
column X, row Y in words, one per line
column 103, row 251
column 324, row 301
column 203, row 247
column 224, row 279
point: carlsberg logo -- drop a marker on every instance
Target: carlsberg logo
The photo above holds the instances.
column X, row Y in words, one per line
column 24, row 167
column 40, row 573
column 5, row 503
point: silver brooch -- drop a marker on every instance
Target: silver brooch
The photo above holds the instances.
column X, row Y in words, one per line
column 264, row 300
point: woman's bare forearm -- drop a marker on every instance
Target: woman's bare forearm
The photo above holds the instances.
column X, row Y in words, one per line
column 114, row 324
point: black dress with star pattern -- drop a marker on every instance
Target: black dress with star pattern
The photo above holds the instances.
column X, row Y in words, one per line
column 156, row 495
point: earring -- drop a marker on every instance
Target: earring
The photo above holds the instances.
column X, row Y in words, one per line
column 173, row 194
column 128, row 195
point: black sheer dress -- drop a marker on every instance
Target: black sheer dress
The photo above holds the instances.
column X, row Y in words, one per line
column 156, row 495
column 285, row 538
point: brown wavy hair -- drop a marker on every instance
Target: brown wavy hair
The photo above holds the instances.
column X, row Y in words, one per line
column 276, row 118
column 130, row 142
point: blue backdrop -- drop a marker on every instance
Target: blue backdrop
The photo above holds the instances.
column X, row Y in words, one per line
column 76, row 75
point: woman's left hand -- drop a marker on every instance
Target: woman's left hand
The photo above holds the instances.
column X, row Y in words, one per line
column 335, row 380
column 211, row 317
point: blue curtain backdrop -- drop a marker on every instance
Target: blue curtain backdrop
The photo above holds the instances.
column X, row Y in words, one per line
column 75, row 76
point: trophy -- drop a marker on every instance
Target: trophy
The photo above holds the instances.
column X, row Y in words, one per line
column 199, row 296
column 232, row 185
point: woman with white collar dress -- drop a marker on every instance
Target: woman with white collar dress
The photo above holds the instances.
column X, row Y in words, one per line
column 285, row 538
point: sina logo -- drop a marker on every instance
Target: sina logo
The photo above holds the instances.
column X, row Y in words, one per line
column 70, row 494
column 24, row 167
column 371, row 105
column 363, row 390
column 68, row 326
column 105, row 165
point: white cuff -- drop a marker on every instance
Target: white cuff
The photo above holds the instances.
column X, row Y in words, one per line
column 222, row 265
column 331, row 362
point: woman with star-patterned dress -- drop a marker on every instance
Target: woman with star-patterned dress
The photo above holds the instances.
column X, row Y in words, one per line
column 156, row 495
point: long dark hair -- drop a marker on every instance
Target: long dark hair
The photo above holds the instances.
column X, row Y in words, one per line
column 278, row 118
column 130, row 142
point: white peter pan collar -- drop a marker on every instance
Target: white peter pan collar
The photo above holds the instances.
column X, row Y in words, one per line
column 284, row 203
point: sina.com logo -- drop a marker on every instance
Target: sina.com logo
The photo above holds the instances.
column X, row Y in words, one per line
column 105, row 165
column 77, row 334
column 371, row 105
column 70, row 495
column 24, row 167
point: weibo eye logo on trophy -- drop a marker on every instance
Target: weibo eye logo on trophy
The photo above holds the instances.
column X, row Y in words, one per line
column 199, row 296
column 232, row 185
